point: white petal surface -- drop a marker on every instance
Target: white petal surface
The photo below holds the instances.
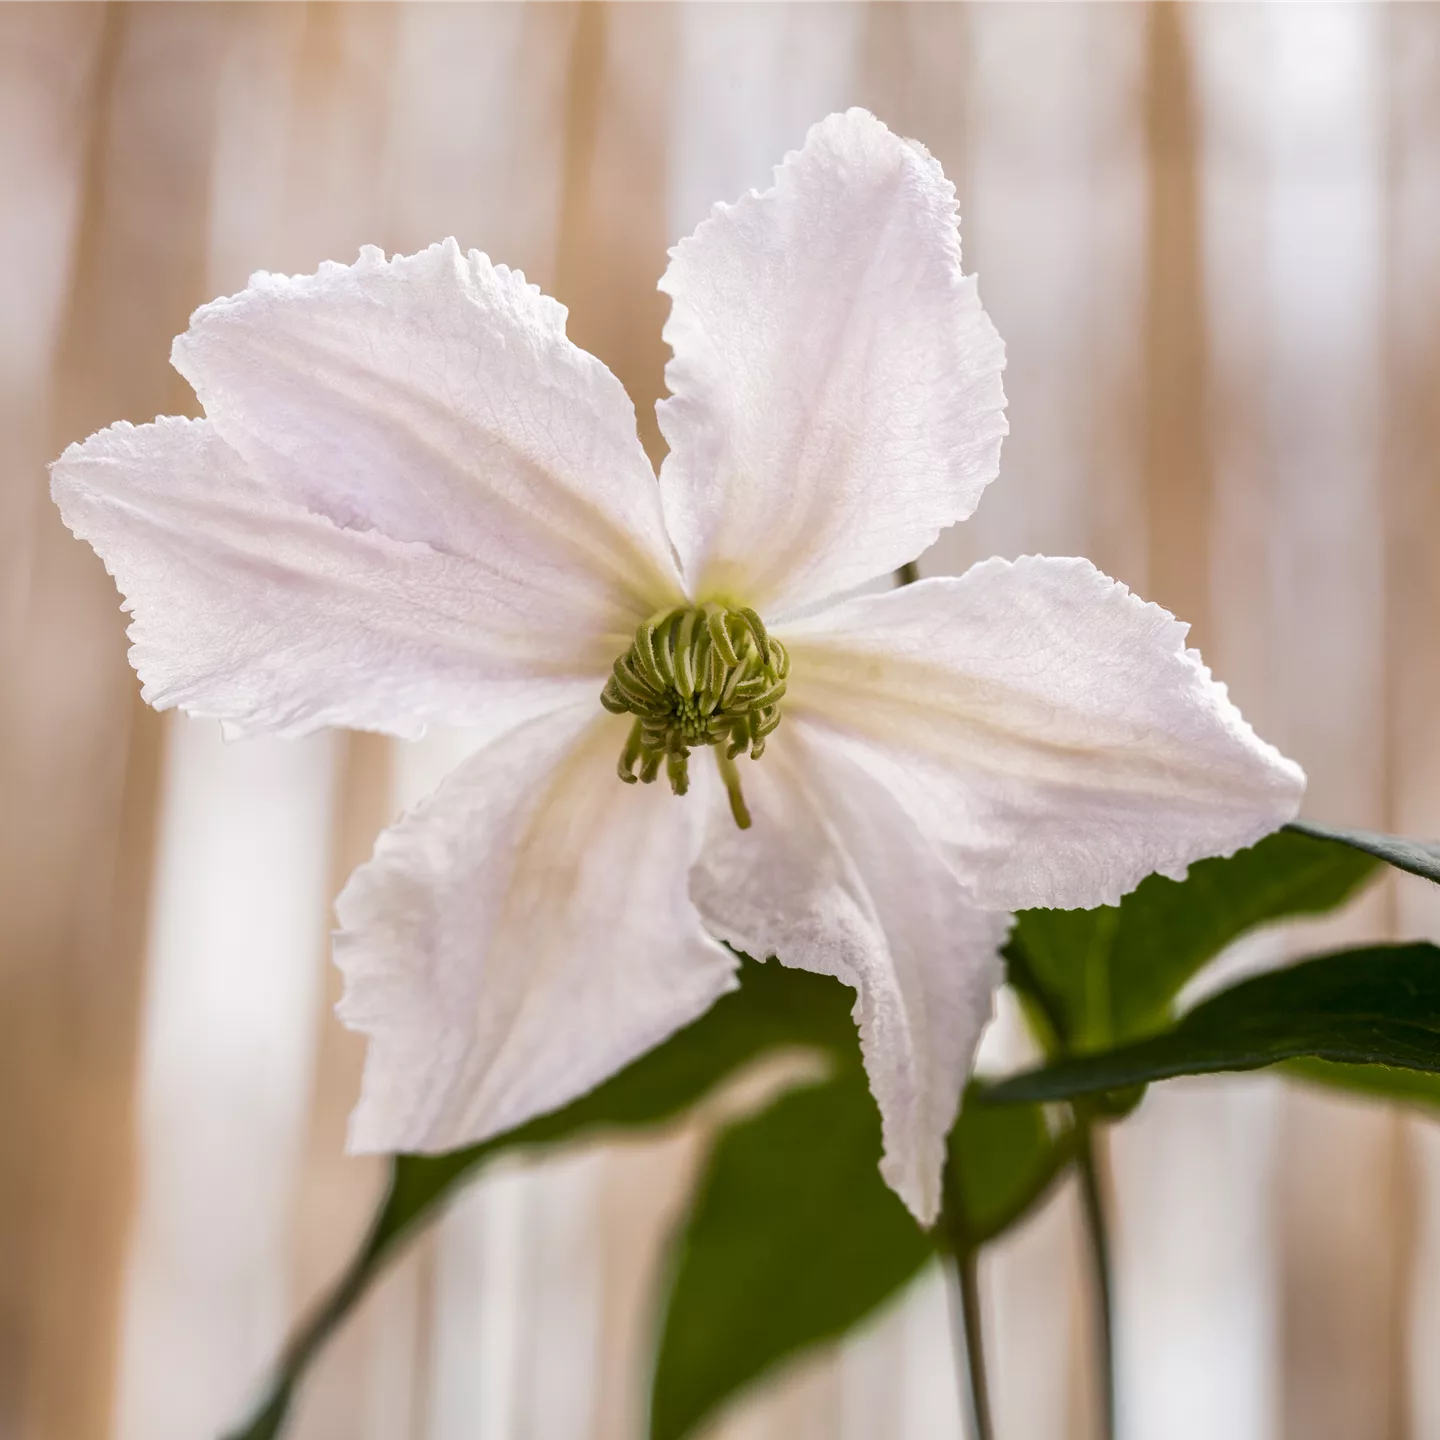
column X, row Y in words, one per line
column 522, row 935
column 435, row 397
column 1046, row 726
column 835, row 387
column 834, row 877
column 253, row 610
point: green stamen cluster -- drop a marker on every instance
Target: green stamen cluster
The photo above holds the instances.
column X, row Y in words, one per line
column 697, row 675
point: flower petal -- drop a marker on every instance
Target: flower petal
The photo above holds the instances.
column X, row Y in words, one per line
column 834, row 877
column 253, row 610
column 1046, row 726
column 835, row 387
column 521, row 936
column 435, row 397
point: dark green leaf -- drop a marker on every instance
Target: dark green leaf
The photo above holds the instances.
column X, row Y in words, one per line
column 1110, row 974
column 1419, row 857
column 1373, row 1082
column 774, row 1008
column 1002, row 1159
column 1374, row 1006
column 792, row 1239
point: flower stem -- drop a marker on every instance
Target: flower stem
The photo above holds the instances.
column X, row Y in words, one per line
column 971, row 1347
column 1092, row 1202
column 907, row 574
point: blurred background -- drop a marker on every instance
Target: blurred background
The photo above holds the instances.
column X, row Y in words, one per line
column 1211, row 238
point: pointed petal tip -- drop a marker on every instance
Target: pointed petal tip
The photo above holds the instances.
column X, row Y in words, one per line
column 835, row 878
column 1048, row 728
column 250, row 609
column 854, row 124
column 917, row 1184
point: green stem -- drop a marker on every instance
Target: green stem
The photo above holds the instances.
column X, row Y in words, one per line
column 972, row 1356
column 907, row 574
column 965, row 1304
column 268, row 1420
column 1092, row 1203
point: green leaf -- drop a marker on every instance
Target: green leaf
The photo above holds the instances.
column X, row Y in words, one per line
column 1002, row 1159
column 793, row 1238
column 1374, row 1006
column 773, row 1009
column 1419, row 857
column 1110, row 974
column 1373, row 1082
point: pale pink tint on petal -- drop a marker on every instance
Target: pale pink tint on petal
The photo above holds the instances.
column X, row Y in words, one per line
column 250, row 608
column 435, row 397
column 834, row 877
column 835, row 387
column 1046, row 727
column 521, row 936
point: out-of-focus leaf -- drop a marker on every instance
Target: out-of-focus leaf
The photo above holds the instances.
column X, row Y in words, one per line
column 1002, row 1159
column 1374, row 1006
column 1110, row 974
column 1419, row 857
column 1372, row 1082
column 773, row 1009
column 792, row 1238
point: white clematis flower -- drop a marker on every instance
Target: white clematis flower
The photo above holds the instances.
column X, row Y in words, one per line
column 411, row 499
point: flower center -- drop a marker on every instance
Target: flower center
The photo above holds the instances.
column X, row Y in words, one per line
column 698, row 675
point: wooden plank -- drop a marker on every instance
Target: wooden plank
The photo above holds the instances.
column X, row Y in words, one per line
column 80, row 753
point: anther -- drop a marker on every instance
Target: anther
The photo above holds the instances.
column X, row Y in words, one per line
column 677, row 768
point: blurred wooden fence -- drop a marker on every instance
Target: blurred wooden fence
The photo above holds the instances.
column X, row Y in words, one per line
column 1211, row 238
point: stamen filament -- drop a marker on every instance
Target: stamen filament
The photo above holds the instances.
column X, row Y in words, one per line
column 629, row 755
column 644, row 652
column 731, row 776
column 662, row 651
column 685, row 656
column 715, row 620
column 757, row 629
